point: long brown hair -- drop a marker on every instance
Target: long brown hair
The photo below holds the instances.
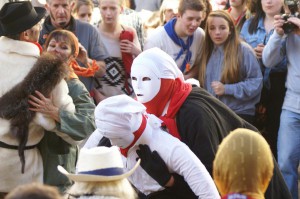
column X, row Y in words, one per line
column 232, row 53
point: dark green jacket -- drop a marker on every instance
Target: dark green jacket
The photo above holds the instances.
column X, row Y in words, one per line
column 77, row 126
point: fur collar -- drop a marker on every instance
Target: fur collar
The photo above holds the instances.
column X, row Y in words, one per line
column 19, row 47
column 47, row 72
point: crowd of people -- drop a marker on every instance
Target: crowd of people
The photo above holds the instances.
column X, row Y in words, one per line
column 127, row 99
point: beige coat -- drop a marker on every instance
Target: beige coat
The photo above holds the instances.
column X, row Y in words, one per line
column 16, row 60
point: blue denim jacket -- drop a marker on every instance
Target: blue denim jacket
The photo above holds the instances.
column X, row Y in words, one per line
column 261, row 37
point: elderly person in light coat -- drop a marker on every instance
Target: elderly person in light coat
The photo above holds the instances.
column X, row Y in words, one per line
column 21, row 74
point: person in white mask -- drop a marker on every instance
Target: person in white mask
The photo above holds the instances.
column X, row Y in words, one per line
column 125, row 123
column 188, row 112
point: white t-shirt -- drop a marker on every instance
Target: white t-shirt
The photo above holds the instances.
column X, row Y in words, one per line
column 160, row 38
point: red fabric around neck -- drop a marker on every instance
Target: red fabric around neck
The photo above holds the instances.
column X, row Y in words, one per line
column 137, row 134
column 175, row 91
column 158, row 103
column 181, row 91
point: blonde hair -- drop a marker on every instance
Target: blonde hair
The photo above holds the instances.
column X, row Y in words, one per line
column 153, row 21
column 79, row 3
column 121, row 3
column 243, row 164
column 34, row 191
column 164, row 6
column 231, row 64
column 120, row 188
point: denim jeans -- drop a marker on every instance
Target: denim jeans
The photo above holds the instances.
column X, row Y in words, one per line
column 289, row 149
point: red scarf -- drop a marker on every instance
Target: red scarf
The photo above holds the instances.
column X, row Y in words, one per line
column 137, row 134
column 157, row 105
column 175, row 91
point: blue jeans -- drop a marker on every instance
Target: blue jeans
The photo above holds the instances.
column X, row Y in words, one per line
column 289, row 149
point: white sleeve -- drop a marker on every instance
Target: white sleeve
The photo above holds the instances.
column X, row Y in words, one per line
column 61, row 98
column 93, row 140
column 273, row 51
column 185, row 163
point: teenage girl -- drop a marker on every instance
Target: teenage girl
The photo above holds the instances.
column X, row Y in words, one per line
column 229, row 69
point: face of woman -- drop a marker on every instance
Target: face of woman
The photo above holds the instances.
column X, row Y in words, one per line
column 271, row 7
column 110, row 10
column 218, row 30
column 61, row 48
column 85, row 13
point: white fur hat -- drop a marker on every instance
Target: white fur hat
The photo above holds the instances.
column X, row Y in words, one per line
column 99, row 164
column 160, row 63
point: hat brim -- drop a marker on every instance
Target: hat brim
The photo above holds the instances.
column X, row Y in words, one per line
column 41, row 12
column 96, row 178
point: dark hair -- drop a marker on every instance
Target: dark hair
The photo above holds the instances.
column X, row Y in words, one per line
column 208, row 9
column 34, row 191
column 14, row 36
column 185, row 5
column 259, row 13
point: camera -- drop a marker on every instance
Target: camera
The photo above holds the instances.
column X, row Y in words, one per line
column 293, row 7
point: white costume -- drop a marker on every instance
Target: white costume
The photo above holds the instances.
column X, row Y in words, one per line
column 118, row 117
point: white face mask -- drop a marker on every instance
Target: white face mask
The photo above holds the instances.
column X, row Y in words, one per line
column 145, row 83
column 123, row 141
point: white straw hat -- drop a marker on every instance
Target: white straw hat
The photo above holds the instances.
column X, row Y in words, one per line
column 99, row 164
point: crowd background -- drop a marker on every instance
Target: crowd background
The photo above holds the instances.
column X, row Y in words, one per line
column 250, row 88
